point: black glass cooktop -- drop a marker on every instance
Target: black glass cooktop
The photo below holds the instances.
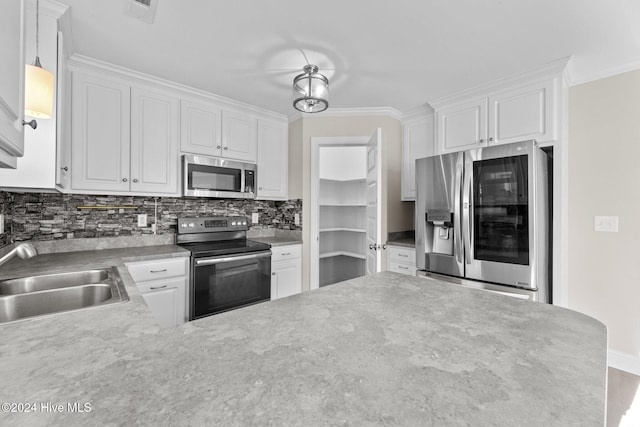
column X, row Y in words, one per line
column 225, row 247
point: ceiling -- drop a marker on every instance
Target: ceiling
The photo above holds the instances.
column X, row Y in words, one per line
column 380, row 53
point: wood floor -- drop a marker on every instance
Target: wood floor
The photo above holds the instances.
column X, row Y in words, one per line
column 623, row 399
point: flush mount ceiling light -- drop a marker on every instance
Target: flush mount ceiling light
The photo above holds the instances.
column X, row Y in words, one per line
column 39, row 83
column 310, row 91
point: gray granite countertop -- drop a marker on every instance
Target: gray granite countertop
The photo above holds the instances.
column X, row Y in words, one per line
column 405, row 243
column 385, row 349
column 277, row 241
column 402, row 238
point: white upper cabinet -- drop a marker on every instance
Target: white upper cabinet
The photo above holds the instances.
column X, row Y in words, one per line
column 462, row 126
column 273, row 160
column 417, row 142
column 154, row 142
column 101, row 134
column 209, row 130
column 201, row 128
column 523, row 113
column 520, row 108
column 239, row 139
column 12, row 60
column 128, row 131
column 123, row 139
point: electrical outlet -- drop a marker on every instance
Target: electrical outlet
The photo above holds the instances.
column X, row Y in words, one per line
column 606, row 223
column 255, row 217
column 142, row 220
column 296, row 219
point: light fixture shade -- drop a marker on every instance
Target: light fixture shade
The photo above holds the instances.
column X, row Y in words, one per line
column 310, row 91
column 38, row 92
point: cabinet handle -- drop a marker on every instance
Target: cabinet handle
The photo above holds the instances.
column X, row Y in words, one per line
column 66, row 169
column 403, row 255
column 481, row 140
column 219, row 146
column 158, row 271
column 403, row 268
column 135, row 180
column 158, row 287
column 226, row 148
column 259, row 188
column 124, row 179
column 491, row 139
column 285, row 254
column 273, row 274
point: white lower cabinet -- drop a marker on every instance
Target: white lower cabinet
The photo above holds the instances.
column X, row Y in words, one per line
column 402, row 260
column 163, row 285
column 286, row 271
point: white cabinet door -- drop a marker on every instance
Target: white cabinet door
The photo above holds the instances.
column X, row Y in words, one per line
column 462, row 126
column 273, row 160
column 166, row 303
column 201, row 128
column 417, row 142
column 523, row 113
column 100, row 133
column 286, row 278
column 11, row 81
column 154, row 142
column 239, row 140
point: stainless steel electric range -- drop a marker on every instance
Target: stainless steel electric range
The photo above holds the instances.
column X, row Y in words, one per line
column 227, row 270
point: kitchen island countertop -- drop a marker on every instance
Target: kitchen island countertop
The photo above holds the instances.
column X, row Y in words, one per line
column 385, row 349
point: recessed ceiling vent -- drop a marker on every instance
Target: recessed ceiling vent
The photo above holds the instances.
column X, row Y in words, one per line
column 144, row 10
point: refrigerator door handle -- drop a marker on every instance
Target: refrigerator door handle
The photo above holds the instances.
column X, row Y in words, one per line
column 457, row 231
column 466, row 209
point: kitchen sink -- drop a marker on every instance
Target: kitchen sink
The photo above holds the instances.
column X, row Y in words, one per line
column 32, row 296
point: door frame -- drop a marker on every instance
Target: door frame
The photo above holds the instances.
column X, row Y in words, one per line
column 316, row 143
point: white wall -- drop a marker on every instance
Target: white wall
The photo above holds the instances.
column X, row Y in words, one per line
column 604, row 179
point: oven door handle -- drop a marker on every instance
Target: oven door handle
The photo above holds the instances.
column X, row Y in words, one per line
column 212, row 261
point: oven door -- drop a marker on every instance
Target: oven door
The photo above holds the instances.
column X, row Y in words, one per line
column 224, row 283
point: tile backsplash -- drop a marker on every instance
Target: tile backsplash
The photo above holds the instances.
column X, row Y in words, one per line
column 49, row 216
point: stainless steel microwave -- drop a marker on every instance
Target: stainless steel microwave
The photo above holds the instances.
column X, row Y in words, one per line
column 215, row 177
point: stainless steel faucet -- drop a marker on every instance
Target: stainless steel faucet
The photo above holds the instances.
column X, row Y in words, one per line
column 23, row 250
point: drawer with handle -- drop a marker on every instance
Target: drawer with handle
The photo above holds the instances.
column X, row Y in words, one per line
column 405, row 255
column 154, row 270
column 281, row 253
column 402, row 268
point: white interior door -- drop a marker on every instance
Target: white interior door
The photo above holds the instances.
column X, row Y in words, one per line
column 374, row 199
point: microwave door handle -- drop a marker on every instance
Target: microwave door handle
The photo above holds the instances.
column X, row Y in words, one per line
column 467, row 202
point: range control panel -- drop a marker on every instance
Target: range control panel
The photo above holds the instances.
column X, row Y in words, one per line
column 211, row 224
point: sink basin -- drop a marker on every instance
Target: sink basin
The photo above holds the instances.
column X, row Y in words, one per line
column 32, row 296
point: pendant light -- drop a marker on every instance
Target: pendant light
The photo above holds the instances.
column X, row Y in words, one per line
column 310, row 91
column 39, row 83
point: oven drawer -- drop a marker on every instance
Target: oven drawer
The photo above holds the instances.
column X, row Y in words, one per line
column 153, row 270
column 282, row 253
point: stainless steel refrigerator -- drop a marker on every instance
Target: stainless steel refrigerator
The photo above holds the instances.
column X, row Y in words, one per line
column 482, row 219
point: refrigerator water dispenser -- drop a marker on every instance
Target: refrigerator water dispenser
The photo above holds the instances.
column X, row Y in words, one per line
column 442, row 223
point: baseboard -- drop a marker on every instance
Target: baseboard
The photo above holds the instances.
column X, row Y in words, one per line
column 624, row 362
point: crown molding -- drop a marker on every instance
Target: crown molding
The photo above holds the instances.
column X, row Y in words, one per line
column 575, row 78
column 552, row 69
column 420, row 112
column 81, row 62
column 350, row 112
column 50, row 8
